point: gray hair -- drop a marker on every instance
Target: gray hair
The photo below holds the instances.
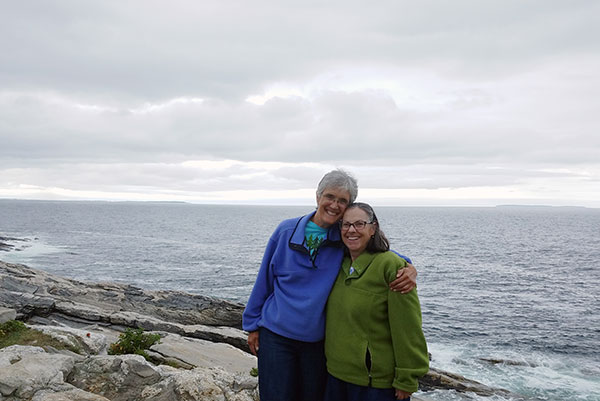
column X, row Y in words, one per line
column 339, row 179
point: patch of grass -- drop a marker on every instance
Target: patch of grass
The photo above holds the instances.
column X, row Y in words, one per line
column 254, row 372
column 134, row 342
column 15, row 332
column 10, row 332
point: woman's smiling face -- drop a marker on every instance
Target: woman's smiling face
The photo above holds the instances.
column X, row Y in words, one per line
column 357, row 240
column 331, row 206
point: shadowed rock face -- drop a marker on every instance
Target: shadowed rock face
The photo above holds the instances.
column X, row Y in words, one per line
column 34, row 293
column 45, row 291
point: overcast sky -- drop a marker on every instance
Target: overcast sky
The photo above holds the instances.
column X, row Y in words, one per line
column 425, row 102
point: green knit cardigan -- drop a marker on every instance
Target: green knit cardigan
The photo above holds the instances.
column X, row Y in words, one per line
column 368, row 321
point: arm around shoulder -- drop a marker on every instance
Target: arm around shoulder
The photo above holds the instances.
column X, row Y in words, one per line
column 406, row 276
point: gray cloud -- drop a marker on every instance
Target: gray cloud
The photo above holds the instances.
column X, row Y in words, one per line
column 118, row 96
column 337, row 126
column 148, row 50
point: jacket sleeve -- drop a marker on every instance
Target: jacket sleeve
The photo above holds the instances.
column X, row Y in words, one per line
column 402, row 256
column 263, row 288
column 408, row 340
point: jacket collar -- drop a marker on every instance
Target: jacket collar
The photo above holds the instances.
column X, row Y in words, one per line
column 333, row 234
column 359, row 266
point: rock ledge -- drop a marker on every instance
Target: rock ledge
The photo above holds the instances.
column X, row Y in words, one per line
column 201, row 336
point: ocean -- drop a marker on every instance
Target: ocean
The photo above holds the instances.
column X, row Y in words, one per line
column 517, row 284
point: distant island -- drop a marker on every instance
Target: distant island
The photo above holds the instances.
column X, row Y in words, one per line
column 542, row 206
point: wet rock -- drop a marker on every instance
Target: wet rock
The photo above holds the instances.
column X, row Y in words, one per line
column 438, row 379
column 5, row 244
column 495, row 361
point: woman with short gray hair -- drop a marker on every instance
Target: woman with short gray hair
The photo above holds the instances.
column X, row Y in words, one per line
column 339, row 179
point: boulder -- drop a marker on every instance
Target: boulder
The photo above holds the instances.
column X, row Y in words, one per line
column 200, row 353
column 14, row 353
column 29, row 370
column 29, row 373
column 508, row 362
column 7, row 314
column 206, row 384
column 119, row 377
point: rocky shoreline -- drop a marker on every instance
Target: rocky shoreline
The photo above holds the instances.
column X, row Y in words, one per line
column 202, row 354
column 6, row 243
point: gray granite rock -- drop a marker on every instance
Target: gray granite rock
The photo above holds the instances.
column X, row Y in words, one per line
column 202, row 353
column 29, row 373
column 202, row 384
column 90, row 342
column 94, row 301
column 114, row 377
column 24, row 303
column 198, row 333
column 7, row 314
column 34, row 294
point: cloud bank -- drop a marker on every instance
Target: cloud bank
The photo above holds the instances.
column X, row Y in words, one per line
column 432, row 103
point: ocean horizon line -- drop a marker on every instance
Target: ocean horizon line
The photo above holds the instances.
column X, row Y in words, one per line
column 266, row 203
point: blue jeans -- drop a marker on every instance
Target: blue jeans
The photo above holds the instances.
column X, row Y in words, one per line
column 290, row 370
column 339, row 390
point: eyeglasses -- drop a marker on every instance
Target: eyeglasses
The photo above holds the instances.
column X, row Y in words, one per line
column 358, row 225
column 331, row 198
